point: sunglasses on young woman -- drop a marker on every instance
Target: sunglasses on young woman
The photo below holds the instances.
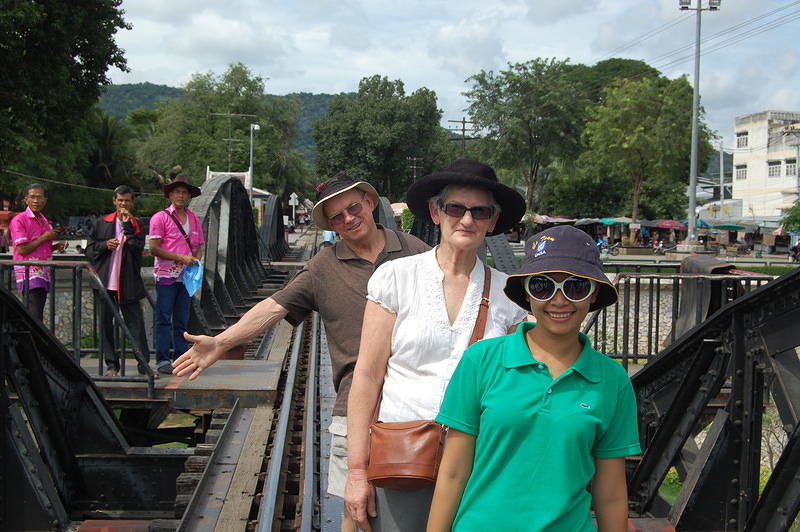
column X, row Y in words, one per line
column 543, row 288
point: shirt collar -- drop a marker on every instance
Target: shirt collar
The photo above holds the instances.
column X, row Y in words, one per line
column 29, row 213
column 343, row 251
column 171, row 208
column 519, row 355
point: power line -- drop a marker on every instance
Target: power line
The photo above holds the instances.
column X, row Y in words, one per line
column 647, row 35
column 36, row 179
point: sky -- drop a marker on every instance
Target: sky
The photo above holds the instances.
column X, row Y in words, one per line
column 322, row 46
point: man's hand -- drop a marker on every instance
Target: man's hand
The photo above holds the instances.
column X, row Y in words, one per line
column 359, row 499
column 186, row 260
column 112, row 244
column 59, row 246
column 203, row 353
column 52, row 234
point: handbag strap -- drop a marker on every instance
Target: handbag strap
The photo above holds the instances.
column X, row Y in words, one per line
column 178, row 223
column 483, row 308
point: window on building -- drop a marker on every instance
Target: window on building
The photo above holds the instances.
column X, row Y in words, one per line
column 773, row 168
column 741, row 139
column 741, row 172
column 791, row 166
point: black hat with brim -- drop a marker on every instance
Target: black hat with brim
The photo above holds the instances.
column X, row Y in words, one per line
column 561, row 249
column 470, row 173
column 180, row 181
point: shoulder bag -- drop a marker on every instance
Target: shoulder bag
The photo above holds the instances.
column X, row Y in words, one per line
column 405, row 455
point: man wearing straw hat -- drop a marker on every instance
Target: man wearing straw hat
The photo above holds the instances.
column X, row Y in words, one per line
column 333, row 283
column 176, row 241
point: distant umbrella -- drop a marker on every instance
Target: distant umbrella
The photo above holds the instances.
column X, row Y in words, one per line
column 670, row 224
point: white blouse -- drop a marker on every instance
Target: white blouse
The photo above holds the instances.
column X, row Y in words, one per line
column 425, row 348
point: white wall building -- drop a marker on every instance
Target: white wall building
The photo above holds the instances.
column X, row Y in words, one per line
column 765, row 176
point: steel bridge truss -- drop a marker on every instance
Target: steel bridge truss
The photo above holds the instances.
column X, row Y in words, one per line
column 64, row 454
column 715, row 379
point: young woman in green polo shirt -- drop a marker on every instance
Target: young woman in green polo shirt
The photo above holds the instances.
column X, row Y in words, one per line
column 537, row 415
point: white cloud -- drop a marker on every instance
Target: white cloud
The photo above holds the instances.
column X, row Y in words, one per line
column 324, row 46
column 468, row 46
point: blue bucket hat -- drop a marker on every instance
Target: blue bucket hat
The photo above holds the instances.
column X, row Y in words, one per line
column 561, row 249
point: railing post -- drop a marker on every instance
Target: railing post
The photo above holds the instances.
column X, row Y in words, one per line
column 76, row 313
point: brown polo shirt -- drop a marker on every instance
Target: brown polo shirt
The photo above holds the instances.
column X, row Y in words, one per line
column 334, row 283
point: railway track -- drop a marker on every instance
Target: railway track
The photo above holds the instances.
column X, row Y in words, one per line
column 259, row 468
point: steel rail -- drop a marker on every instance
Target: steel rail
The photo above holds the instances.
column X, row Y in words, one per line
column 266, row 514
column 201, row 513
column 310, row 454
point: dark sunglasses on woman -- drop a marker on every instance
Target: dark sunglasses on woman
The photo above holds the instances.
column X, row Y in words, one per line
column 543, row 288
column 478, row 212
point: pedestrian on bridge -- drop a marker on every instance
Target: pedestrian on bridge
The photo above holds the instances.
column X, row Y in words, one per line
column 537, row 415
column 115, row 250
column 333, row 283
column 421, row 313
column 32, row 238
column 176, row 241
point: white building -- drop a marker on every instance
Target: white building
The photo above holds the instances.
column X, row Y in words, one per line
column 765, row 176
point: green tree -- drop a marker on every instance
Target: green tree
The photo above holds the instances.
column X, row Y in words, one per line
column 642, row 131
column 531, row 115
column 55, row 57
column 791, row 219
column 191, row 131
column 372, row 135
column 594, row 79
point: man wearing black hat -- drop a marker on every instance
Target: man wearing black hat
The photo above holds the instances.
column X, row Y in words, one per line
column 334, row 283
column 176, row 240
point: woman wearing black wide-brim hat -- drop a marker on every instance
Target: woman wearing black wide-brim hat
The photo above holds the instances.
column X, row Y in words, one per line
column 422, row 312
column 538, row 415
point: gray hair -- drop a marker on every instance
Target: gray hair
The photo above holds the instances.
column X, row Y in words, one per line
column 440, row 198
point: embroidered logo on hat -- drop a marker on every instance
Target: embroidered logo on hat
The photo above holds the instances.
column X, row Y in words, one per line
column 540, row 248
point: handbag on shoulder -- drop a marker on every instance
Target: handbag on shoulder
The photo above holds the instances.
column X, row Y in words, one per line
column 405, row 455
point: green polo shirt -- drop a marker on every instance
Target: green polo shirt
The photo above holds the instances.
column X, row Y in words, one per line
column 536, row 438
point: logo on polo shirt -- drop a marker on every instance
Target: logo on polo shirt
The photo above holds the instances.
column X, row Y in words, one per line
column 584, row 405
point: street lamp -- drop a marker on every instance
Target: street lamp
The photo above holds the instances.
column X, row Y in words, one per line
column 684, row 5
column 249, row 184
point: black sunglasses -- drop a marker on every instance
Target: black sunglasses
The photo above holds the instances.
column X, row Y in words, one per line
column 478, row 212
column 543, row 288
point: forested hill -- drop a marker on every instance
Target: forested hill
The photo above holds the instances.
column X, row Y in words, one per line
column 119, row 100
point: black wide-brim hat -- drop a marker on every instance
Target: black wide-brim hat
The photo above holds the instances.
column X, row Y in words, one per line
column 561, row 249
column 180, row 181
column 471, row 173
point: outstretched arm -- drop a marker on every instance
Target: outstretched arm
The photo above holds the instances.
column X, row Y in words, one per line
column 208, row 349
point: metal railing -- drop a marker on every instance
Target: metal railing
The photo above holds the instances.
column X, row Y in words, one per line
column 81, row 276
column 654, row 309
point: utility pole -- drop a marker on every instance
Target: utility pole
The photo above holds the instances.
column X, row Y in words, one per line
column 721, row 178
column 230, row 130
column 412, row 163
column 464, row 138
column 713, row 5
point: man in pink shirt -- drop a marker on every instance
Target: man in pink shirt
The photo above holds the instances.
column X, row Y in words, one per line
column 176, row 240
column 32, row 239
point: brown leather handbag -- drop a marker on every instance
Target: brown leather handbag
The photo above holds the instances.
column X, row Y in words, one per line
column 405, row 455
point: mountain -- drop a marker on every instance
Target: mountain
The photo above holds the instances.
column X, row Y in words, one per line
column 119, row 100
